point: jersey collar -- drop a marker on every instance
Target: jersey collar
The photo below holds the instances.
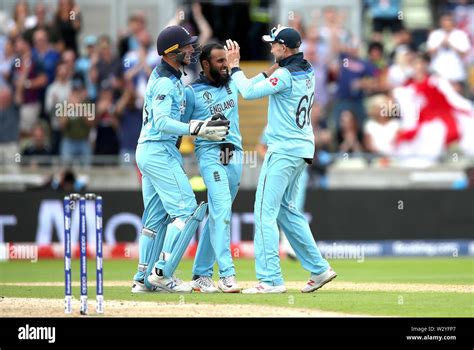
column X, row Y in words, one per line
column 176, row 73
column 293, row 59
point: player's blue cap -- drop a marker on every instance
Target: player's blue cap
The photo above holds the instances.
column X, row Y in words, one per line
column 172, row 38
column 284, row 35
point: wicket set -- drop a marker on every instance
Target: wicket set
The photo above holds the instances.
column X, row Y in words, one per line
column 69, row 205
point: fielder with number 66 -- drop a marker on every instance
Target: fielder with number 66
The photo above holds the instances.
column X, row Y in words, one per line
column 290, row 149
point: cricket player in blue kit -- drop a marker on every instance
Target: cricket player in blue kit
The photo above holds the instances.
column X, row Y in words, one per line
column 290, row 149
column 220, row 166
column 171, row 215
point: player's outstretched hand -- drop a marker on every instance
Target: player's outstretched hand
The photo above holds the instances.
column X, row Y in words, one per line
column 232, row 50
column 213, row 130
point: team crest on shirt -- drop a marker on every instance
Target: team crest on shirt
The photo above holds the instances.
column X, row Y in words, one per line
column 274, row 81
column 182, row 107
column 207, row 96
column 308, row 84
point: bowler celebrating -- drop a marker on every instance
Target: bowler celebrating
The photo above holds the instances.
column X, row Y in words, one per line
column 220, row 166
column 290, row 149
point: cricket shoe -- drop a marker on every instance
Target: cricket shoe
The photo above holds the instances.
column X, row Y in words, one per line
column 317, row 281
column 263, row 288
column 170, row 285
column 140, row 287
column 228, row 285
column 203, row 284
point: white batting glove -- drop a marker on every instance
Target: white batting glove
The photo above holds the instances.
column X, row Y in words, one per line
column 215, row 129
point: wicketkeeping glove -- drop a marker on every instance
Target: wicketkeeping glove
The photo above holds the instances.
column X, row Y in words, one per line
column 214, row 130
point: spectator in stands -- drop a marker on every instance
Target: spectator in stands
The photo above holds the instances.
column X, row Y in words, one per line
column 36, row 153
column 447, row 46
column 349, row 136
column 45, row 53
column 28, row 78
column 184, row 17
column 203, row 27
column 355, row 78
column 317, row 52
column 39, row 22
column 76, row 128
column 381, row 129
column 108, row 70
column 402, row 39
column 129, row 114
column 106, row 124
column 333, row 31
column 9, row 126
column 65, row 181
column 84, row 64
column 56, row 94
column 295, row 21
column 7, row 55
column 402, row 69
column 138, row 64
column 68, row 23
column 21, row 17
column 386, row 14
column 68, row 182
column 68, row 57
column 260, row 18
column 225, row 18
column 129, row 41
column 376, row 56
column 322, row 134
column 463, row 13
column 323, row 145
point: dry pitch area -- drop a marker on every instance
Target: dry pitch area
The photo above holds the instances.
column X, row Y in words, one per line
column 419, row 287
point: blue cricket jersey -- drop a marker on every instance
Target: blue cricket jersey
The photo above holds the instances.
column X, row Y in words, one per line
column 291, row 94
column 204, row 99
column 164, row 106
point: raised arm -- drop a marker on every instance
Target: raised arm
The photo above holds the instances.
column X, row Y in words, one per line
column 258, row 86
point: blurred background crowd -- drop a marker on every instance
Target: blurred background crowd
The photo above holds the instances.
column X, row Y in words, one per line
column 372, row 71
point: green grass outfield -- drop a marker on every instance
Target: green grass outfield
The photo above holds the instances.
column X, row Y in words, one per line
column 427, row 271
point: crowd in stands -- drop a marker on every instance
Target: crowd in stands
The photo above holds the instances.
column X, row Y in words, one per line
column 44, row 70
column 358, row 81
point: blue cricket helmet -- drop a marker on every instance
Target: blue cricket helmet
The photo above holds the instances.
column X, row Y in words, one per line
column 173, row 38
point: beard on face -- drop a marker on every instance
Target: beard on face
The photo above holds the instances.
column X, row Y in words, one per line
column 218, row 78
